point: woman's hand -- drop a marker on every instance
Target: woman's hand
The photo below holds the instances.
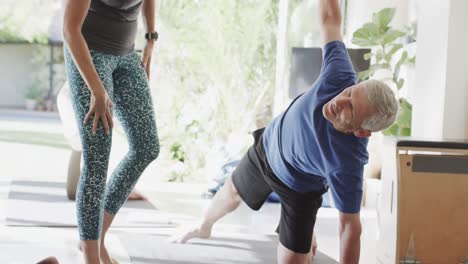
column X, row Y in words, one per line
column 146, row 59
column 100, row 106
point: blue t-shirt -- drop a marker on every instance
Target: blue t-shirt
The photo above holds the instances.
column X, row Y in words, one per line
column 304, row 150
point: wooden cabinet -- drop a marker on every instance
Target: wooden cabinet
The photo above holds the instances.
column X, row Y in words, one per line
column 423, row 214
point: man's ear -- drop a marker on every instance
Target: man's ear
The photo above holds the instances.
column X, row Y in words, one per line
column 362, row 133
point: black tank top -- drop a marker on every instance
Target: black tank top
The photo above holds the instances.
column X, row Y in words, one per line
column 111, row 25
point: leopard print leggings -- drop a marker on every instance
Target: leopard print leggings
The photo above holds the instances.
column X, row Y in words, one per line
column 125, row 81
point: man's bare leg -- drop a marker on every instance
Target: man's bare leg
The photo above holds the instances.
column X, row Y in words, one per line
column 313, row 248
column 225, row 201
column 286, row 256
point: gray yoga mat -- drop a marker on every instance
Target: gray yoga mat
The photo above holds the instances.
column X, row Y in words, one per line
column 29, row 245
column 44, row 203
column 229, row 248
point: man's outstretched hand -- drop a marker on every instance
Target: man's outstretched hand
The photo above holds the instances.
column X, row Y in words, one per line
column 330, row 20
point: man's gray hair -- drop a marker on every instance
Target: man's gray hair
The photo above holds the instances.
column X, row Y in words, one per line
column 383, row 99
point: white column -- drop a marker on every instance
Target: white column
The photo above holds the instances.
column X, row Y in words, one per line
column 281, row 56
column 456, row 87
column 441, row 92
column 431, row 58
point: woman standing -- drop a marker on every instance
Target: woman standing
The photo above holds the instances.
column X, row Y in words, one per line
column 106, row 76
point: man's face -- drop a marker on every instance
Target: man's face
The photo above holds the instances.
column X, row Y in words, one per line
column 348, row 110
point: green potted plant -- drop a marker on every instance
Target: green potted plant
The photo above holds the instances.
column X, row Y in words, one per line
column 387, row 57
column 32, row 95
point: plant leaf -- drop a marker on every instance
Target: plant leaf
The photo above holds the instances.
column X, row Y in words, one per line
column 391, row 35
column 400, row 83
column 378, row 56
column 391, row 131
column 394, row 49
column 366, row 36
column 402, row 60
column 379, row 66
column 383, row 17
column 406, row 104
column 363, row 75
column 404, row 118
column 368, row 56
column 404, row 132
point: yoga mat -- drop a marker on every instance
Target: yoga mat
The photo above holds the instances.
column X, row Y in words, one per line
column 44, row 203
column 221, row 248
column 30, row 245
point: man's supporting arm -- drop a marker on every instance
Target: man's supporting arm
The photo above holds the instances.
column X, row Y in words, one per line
column 330, row 20
column 350, row 238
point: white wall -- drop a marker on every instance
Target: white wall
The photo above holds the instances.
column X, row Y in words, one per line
column 456, row 87
column 441, row 96
column 15, row 71
column 466, row 110
column 281, row 57
column 431, row 66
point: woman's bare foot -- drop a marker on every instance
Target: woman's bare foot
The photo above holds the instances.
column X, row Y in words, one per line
column 49, row 260
column 136, row 196
column 105, row 258
column 196, row 232
column 90, row 250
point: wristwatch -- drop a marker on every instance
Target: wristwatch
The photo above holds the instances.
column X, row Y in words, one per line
column 152, row 35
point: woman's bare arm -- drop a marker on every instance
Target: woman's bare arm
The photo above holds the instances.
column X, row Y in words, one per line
column 148, row 13
column 75, row 14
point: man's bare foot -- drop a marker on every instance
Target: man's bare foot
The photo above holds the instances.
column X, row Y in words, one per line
column 190, row 233
column 136, row 196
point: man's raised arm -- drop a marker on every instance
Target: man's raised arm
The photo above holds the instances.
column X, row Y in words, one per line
column 330, row 20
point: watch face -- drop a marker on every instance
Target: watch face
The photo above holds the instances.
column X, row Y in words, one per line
column 152, row 35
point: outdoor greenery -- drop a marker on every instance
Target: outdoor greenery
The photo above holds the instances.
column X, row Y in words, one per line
column 388, row 56
column 33, row 92
column 214, row 80
column 34, row 138
column 7, row 35
column 29, row 22
column 213, row 75
column 40, row 78
column 22, row 21
column 304, row 27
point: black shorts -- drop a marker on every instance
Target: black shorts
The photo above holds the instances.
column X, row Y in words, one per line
column 255, row 181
